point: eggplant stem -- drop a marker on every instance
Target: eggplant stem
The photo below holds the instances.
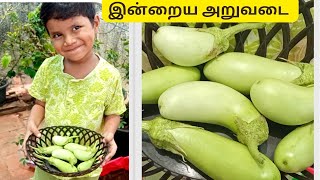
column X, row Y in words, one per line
column 307, row 76
column 71, row 137
column 241, row 27
column 255, row 153
column 37, row 149
column 41, row 157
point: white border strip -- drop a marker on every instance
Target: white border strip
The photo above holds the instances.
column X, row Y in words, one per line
column 316, row 89
column 135, row 104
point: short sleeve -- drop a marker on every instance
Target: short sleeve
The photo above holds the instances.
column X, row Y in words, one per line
column 116, row 104
column 38, row 88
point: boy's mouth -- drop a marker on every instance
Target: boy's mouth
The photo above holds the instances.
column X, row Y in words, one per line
column 72, row 49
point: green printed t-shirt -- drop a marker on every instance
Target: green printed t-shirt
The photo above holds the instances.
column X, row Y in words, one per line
column 78, row 102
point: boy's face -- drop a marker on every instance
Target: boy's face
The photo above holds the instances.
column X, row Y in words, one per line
column 73, row 38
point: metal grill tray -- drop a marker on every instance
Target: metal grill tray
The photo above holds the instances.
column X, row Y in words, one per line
column 174, row 164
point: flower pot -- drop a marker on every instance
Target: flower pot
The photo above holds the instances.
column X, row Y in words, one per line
column 3, row 87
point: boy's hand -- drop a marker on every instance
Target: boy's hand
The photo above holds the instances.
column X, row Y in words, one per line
column 112, row 147
column 110, row 127
column 31, row 129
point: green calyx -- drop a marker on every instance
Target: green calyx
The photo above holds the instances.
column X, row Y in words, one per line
column 253, row 134
column 307, row 76
column 221, row 36
column 159, row 133
column 221, row 44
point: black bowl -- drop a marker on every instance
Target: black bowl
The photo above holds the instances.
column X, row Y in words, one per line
column 86, row 137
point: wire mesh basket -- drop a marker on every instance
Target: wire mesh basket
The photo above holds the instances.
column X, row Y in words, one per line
column 295, row 42
column 85, row 137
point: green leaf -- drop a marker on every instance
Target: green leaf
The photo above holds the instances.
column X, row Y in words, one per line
column 29, row 71
column 122, row 124
column 14, row 17
column 11, row 73
column 37, row 64
column 48, row 46
column 126, row 43
column 23, row 161
column 20, row 141
column 5, row 60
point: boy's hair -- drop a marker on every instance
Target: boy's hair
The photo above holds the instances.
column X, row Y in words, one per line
column 63, row 11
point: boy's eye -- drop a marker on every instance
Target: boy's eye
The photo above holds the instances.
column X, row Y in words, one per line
column 56, row 35
column 76, row 27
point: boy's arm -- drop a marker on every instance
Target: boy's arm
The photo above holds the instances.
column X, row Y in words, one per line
column 37, row 114
column 35, row 119
column 111, row 125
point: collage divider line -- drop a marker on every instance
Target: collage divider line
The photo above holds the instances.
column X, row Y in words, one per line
column 135, row 111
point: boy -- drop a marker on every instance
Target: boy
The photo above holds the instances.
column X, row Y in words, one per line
column 76, row 87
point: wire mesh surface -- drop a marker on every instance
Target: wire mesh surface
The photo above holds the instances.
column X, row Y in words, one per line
column 264, row 38
column 151, row 168
column 86, row 137
column 171, row 165
column 152, row 165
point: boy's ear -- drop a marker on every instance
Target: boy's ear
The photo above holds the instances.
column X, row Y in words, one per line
column 96, row 23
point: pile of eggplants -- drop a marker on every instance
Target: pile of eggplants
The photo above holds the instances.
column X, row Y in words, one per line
column 66, row 156
column 242, row 92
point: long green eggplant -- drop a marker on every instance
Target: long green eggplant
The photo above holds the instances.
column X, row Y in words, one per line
column 217, row 156
column 283, row 102
column 66, row 155
column 241, row 70
column 63, row 166
column 62, row 140
column 295, row 152
column 46, row 150
column 193, row 46
column 215, row 103
column 155, row 82
column 85, row 165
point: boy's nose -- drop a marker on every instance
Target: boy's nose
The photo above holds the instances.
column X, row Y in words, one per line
column 69, row 40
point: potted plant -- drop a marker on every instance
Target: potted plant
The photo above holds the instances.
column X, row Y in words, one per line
column 24, row 46
column 3, row 87
column 6, row 73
